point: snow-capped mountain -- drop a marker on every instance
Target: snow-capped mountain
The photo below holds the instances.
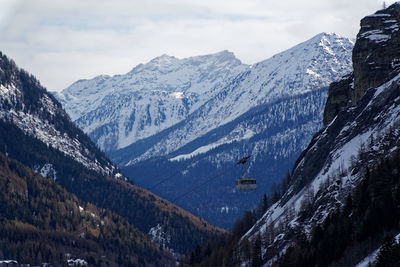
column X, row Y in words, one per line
column 208, row 91
column 117, row 111
column 304, row 68
column 361, row 134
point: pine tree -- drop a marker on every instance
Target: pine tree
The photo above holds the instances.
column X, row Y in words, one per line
column 256, row 252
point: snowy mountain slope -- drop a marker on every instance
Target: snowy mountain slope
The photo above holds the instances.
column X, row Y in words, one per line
column 38, row 114
column 360, row 137
column 273, row 133
column 306, row 67
column 117, row 111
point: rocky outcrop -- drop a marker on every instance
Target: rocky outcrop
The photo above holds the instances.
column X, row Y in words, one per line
column 376, row 59
column 376, row 53
column 339, row 97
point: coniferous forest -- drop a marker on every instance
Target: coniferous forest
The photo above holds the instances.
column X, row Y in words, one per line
column 41, row 222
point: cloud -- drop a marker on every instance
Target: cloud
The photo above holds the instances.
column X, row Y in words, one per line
column 63, row 41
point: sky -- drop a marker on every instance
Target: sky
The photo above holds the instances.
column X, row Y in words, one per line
column 62, row 41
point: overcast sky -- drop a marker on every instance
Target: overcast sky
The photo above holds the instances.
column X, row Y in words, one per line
column 61, row 41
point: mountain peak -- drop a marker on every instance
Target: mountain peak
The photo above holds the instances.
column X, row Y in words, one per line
column 325, row 35
column 162, row 60
column 225, row 54
column 222, row 58
column 323, row 39
column 328, row 39
column 326, row 53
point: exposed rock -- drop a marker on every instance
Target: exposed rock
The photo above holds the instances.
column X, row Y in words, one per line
column 376, row 59
column 339, row 97
column 376, row 53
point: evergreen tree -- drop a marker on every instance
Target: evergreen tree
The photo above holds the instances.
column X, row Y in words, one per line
column 256, row 252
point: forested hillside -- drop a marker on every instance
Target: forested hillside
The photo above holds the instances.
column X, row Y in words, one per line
column 41, row 222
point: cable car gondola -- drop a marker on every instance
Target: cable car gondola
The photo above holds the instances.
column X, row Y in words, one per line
column 245, row 182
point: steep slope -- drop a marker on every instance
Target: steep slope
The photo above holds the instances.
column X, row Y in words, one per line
column 27, row 105
column 306, row 67
column 36, row 131
column 355, row 156
column 41, row 222
column 117, row 111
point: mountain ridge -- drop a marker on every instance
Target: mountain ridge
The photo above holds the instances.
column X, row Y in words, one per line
column 236, row 98
column 154, row 96
column 195, row 99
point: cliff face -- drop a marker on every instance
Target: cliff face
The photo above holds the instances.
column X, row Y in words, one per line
column 376, row 59
column 362, row 118
column 376, row 55
column 339, row 97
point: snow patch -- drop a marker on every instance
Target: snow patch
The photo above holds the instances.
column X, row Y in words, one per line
column 76, row 262
column 158, row 235
column 47, row 170
column 203, row 149
column 178, row 95
column 376, row 35
column 378, row 15
column 6, row 262
column 226, row 209
column 369, row 260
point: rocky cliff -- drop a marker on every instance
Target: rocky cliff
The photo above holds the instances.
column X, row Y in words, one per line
column 376, row 59
column 360, row 137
